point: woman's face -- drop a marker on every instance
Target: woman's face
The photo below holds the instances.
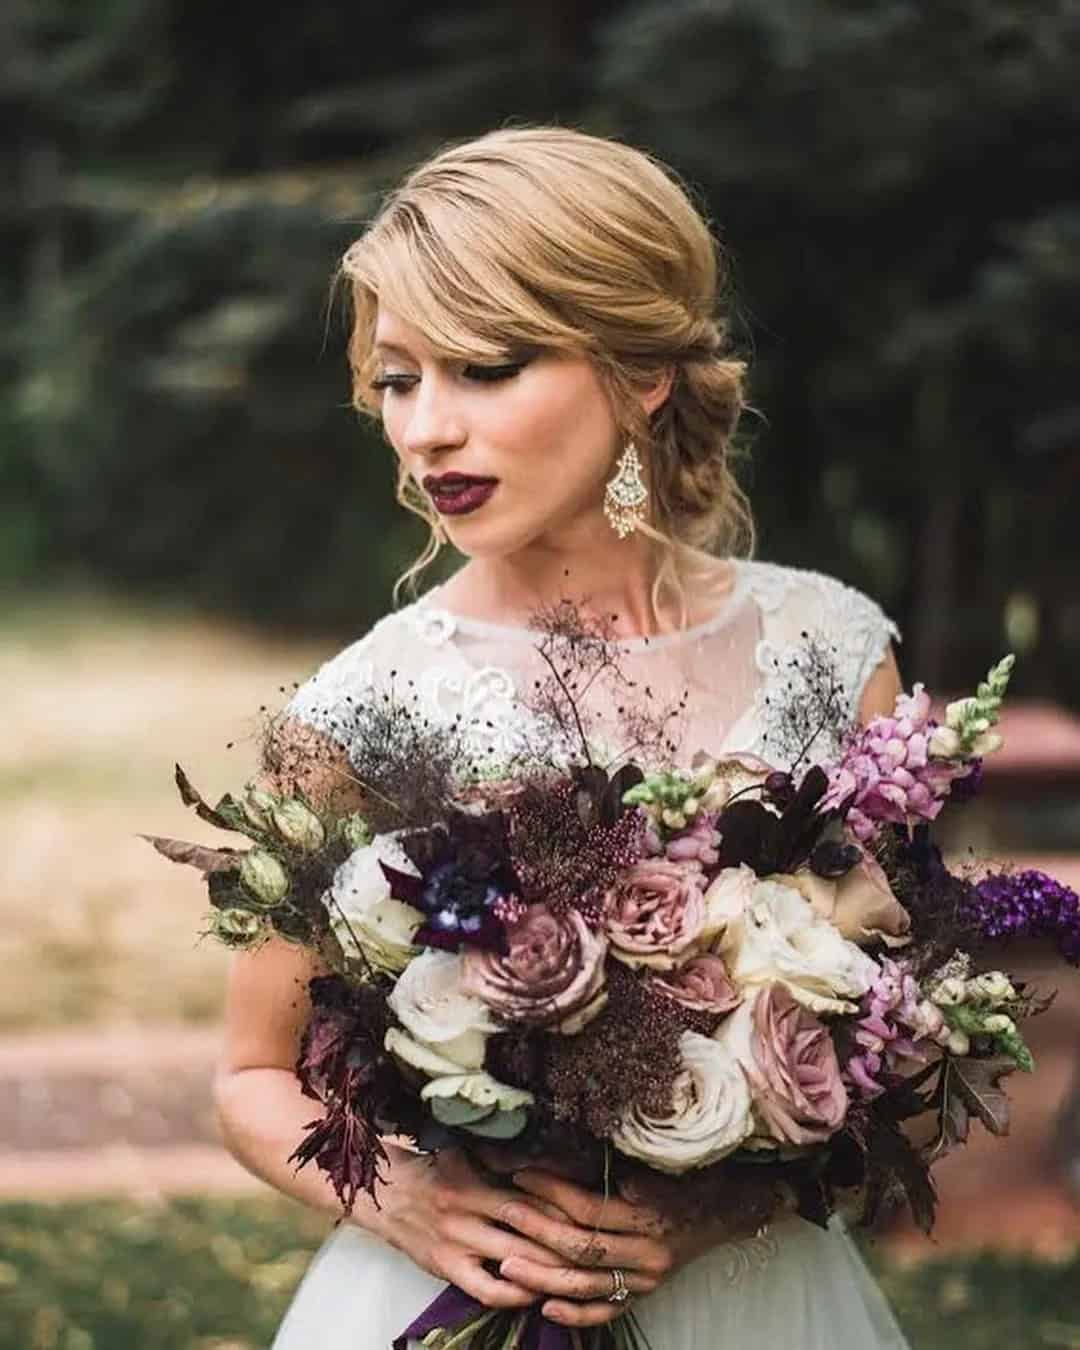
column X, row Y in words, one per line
column 510, row 454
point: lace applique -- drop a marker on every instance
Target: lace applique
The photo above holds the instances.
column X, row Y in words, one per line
column 323, row 700
column 734, row 1261
column 793, row 604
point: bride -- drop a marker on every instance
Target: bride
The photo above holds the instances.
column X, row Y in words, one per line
column 536, row 329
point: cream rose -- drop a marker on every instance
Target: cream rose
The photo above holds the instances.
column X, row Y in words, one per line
column 710, row 1114
column 432, row 1006
column 727, row 896
column 778, row 939
column 367, row 921
column 861, row 903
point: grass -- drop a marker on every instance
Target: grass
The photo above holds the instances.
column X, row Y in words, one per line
column 215, row 1274
column 101, row 700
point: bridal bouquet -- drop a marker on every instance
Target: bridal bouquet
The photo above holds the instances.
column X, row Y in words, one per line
column 751, row 976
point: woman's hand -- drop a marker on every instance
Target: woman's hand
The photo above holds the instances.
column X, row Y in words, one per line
column 597, row 1234
column 447, row 1219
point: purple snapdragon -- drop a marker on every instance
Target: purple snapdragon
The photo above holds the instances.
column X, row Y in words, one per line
column 887, row 772
column 896, row 1024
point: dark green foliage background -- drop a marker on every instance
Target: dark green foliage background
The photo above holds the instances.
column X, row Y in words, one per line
column 896, row 182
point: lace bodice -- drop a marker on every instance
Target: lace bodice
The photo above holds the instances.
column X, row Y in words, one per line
column 736, row 671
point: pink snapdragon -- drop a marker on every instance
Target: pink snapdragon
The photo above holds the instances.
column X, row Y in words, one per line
column 888, row 771
column 895, row 1024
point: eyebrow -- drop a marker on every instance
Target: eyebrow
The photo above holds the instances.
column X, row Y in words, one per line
column 394, row 348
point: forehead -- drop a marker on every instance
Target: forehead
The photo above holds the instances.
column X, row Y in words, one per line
column 392, row 331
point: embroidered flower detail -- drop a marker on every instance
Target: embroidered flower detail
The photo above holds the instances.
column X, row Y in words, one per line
column 434, row 627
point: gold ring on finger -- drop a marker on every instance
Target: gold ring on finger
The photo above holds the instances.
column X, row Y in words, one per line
column 620, row 1294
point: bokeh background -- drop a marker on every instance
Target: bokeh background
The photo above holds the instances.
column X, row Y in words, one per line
column 191, row 517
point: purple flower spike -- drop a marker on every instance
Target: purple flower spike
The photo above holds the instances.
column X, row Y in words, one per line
column 1028, row 904
column 886, row 775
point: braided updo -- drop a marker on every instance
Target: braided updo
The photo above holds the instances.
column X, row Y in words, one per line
column 552, row 238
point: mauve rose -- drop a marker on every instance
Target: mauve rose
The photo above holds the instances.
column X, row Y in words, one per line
column 552, row 974
column 655, row 912
column 702, row 984
column 789, row 1058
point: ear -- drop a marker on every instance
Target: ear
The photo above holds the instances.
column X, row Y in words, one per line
column 656, row 394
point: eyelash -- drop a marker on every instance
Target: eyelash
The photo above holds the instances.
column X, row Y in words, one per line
column 481, row 374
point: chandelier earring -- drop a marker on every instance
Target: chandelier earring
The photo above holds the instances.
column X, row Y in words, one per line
column 626, row 495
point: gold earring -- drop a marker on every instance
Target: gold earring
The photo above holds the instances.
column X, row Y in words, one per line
column 626, row 494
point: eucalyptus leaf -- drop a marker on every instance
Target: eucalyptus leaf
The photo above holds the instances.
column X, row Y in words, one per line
column 457, row 1112
column 501, row 1124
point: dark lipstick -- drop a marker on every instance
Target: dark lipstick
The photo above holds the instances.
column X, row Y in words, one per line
column 456, row 494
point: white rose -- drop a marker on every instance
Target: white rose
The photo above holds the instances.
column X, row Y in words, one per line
column 710, row 1114
column 365, row 919
column 779, row 939
column 727, row 896
column 430, row 1003
column 480, row 1089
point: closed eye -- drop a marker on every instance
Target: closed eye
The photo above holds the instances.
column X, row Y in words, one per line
column 390, row 380
column 492, row 374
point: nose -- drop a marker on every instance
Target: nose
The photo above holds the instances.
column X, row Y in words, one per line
column 434, row 425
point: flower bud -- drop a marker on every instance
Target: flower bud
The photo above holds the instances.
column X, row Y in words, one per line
column 950, row 992
column 674, row 820
column 945, row 743
column 930, row 1020
column 264, row 878
column 997, row 1023
column 992, row 987
column 298, row 826
column 987, row 744
column 236, row 927
column 956, row 713
column 959, row 1043
column 257, row 806
column 356, row 832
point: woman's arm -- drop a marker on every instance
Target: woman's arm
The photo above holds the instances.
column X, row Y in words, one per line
column 880, row 691
column 439, row 1211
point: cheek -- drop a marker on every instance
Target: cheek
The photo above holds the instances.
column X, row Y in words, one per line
column 563, row 432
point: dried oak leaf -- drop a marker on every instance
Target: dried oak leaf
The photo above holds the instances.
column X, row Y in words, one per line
column 969, row 1087
column 207, row 860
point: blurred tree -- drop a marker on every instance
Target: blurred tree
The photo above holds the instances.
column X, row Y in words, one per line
column 897, row 182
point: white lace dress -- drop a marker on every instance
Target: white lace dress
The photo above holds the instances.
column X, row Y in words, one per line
column 797, row 1287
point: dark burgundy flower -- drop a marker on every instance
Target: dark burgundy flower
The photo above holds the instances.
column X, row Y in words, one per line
column 465, row 871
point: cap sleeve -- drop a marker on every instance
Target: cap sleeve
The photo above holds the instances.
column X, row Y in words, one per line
column 796, row 605
column 323, row 701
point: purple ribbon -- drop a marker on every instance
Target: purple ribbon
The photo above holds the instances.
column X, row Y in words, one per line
column 453, row 1308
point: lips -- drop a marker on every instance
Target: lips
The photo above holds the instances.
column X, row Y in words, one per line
column 456, row 494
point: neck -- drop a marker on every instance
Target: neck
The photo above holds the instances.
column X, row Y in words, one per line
column 611, row 580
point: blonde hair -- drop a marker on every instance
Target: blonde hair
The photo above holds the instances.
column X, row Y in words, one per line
column 548, row 237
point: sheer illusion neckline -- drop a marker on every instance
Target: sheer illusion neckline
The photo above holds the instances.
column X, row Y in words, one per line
column 482, row 628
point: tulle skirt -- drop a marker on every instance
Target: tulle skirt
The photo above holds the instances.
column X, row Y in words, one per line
column 800, row 1288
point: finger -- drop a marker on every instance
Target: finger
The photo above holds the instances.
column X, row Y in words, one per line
column 587, row 1208
column 467, row 1273
column 584, row 1246
column 581, row 1314
column 570, row 1281
column 496, row 1244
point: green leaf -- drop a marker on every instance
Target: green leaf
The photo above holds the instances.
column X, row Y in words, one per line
column 456, row 1111
column 501, row 1124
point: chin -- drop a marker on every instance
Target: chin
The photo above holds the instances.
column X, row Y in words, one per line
column 485, row 539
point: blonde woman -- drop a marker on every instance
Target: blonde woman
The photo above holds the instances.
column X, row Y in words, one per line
column 536, row 327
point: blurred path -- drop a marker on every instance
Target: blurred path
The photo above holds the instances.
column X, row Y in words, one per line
column 92, row 1112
